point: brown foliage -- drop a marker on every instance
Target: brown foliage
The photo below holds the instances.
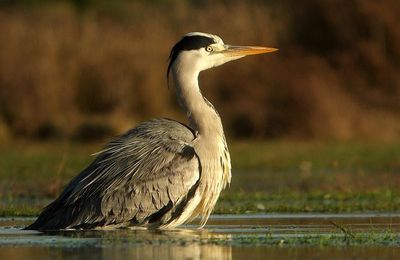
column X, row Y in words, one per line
column 336, row 75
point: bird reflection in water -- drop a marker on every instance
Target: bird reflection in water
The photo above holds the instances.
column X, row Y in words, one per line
column 134, row 243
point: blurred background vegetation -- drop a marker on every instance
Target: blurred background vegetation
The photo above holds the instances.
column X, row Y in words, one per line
column 82, row 70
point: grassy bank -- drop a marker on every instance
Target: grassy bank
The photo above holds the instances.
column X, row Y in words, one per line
column 385, row 200
column 267, row 176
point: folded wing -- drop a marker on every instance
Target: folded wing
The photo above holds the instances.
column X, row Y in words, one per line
column 145, row 177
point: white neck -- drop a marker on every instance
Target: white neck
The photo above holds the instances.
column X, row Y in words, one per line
column 202, row 116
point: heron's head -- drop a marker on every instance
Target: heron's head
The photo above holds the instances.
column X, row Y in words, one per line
column 200, row 51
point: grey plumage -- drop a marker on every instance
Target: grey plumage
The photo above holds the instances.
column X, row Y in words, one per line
column 162, row 173
column 140, row 178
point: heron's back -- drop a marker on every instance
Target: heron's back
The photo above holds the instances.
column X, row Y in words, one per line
column 146, row 177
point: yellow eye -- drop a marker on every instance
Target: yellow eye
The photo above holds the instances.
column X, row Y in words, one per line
column 209, row 49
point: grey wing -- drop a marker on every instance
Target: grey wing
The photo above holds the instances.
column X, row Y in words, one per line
column 145, row 177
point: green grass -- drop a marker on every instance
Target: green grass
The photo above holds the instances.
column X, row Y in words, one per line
column 316, row 201
column 257, row 202
column 287, row 156
column 267, row 176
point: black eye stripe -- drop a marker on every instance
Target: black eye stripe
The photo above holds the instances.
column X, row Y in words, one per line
column 192, row 43
column 188, row 43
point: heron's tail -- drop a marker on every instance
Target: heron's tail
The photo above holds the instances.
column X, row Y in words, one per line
column 51, row 218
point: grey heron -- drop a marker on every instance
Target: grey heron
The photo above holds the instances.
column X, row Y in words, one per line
column 162, row 173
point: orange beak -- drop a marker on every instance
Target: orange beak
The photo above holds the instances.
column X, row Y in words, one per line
column 246, row 50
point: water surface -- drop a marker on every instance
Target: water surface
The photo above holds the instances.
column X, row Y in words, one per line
column 257, row 236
